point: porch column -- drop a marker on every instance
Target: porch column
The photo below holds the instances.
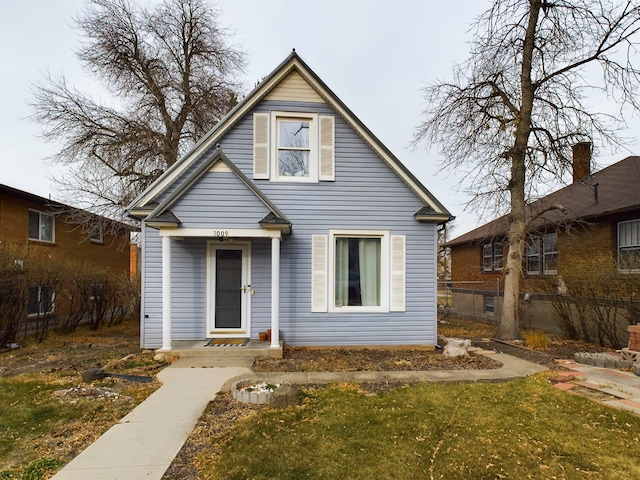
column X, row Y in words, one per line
column 275, row 292
column 166, row 293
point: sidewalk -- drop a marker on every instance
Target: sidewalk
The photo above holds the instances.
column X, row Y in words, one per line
column 622, row 389
column 145, row 442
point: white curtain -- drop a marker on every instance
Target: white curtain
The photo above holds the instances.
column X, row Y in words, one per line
column 342, row 272
column 369, row 259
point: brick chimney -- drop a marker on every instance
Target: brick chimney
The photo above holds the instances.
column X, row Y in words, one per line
column 581, row 160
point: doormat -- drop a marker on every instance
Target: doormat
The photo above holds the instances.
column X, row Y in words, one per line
column 227, row 342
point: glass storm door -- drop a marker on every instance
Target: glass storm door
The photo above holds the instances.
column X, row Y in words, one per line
column 229, row 290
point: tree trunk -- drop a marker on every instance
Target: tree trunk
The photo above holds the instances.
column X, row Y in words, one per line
column 509, row 326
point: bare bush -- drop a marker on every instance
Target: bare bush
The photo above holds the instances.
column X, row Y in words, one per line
column 596, row 300
column 41, row 290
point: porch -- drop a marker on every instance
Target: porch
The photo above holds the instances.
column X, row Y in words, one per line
column 197, row 349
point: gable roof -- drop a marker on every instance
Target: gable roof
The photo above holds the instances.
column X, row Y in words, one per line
column 611, row 190
column 143, row 204
column 163, row 216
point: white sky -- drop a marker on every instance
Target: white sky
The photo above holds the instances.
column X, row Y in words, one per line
column 375, row 55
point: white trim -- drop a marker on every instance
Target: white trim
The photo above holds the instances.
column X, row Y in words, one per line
column 245, row 322
column 385, row 260
column 166, row 293
column 275, row 293
column 220, row 232
column 319, row 274
column 326, row 153
column 398, row 273
column 314, row 154
column 261, row 137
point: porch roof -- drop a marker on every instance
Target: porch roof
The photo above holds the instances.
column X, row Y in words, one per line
column 162, row 216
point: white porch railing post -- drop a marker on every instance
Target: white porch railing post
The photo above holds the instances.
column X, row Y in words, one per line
column 166, row 293
column 275, row 292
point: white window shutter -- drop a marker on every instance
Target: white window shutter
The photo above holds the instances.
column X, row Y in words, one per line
column 319, row 257
column 261, row 146
column 327, row 148
column 398, row 272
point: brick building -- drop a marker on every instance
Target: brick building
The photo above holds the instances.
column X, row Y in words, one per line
column 31, row 226
column 592, row 226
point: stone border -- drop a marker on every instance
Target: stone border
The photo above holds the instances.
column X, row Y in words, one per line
column 246, row 396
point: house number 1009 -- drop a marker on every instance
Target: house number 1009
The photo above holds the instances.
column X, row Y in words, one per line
column 220, row 233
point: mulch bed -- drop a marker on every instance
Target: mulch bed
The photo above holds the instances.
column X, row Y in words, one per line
column 298, row 359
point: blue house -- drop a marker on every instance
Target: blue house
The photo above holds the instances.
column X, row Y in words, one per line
column 289, row 215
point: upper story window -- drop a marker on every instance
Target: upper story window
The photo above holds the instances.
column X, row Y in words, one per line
column 542, row 254
column 96, row 234
column 41, row 226
column 629, row 246
column 492, row 257
column 295, row 156
column 293, row 147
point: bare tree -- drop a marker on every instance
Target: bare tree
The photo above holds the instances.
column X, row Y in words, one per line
column 513, row 110
column 171, row 75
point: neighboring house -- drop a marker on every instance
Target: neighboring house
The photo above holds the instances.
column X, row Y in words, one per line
column 289, row 215
column 37, row 225
column 594, row 221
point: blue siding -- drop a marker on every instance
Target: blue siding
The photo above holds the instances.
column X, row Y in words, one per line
column 366, row 194
column 219, row 199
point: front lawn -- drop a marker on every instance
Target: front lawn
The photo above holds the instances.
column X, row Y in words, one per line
column 522, row 429
column 49, row 414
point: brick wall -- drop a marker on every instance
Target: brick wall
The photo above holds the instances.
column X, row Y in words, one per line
column 69, row 240
column 577, row 244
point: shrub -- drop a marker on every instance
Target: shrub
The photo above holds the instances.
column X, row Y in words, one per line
column 596, row 301
column 36, row 285
column 536, row 339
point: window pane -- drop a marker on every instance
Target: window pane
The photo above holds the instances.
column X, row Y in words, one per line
column 293, row 163
column 33, row 294
column 34, row 225
column 550, row 249
column 46, row 300
column 533, row 256
column 357, row 272
column 46, row 227
column 629, row 259
column 294, row 134
column 96, row 233
column 488, row 305
column 487, row 257
column 497, row 256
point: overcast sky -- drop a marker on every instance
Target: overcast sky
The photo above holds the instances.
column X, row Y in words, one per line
column 375, row 55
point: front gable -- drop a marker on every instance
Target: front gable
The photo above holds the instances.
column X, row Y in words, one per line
column 216, row 193
column 293, row 93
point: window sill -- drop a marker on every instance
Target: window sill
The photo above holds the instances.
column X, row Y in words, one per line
column 42, row 242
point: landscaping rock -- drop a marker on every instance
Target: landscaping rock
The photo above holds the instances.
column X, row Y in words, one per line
column 602, row 360
column 285, row 396
column 93, row 374
column 456, row 347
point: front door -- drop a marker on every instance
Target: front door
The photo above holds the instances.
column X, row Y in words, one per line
column 229, row 290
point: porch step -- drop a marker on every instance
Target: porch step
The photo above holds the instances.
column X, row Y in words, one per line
column 196, row 349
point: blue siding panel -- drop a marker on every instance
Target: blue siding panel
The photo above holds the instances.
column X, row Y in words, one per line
column 366, row 194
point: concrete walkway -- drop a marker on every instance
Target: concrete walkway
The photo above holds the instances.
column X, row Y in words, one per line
column 145, row 442
column 621, row 389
